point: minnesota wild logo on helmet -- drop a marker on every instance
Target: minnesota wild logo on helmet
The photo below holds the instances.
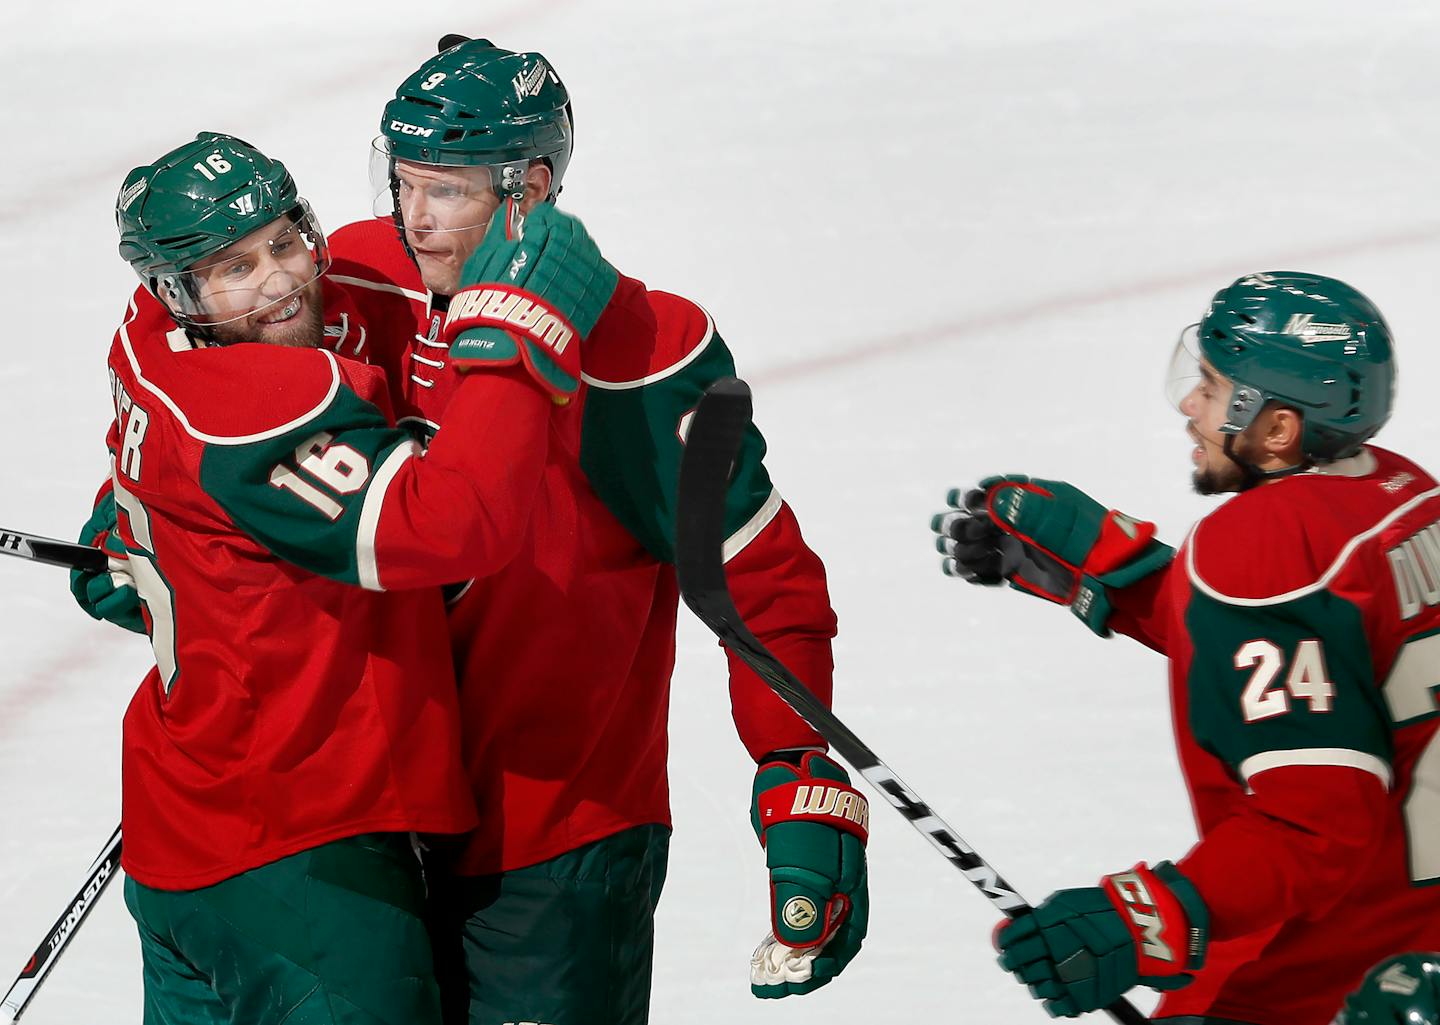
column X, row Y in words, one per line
column 474, row 103
column 195, row 202
column 1403, row 990
column 1309, row 342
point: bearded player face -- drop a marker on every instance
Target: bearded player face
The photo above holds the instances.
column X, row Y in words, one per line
column 264, row 287
column 1205, row 407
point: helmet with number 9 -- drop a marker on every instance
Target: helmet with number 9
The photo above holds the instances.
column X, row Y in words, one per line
column 193, row 203
column 1403, row 990
column 1305, row 341
column 474, row 103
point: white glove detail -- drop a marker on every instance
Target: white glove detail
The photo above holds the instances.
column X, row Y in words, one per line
column 120, row 573
column 773, row 963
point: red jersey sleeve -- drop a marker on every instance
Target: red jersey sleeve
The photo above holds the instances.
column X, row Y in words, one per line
column 779, row 587
column 311, row 468
column 1299, row 840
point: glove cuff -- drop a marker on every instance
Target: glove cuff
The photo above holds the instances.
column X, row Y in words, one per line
column 510, row 309
column 812, row 789
column 830, row 802
column 1165, row 915
column 498, row 325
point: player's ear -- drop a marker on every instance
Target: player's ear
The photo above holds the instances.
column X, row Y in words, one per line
column 1283, row 432
column 537, row 185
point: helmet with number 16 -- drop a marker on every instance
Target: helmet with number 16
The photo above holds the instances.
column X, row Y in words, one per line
column 217, row 232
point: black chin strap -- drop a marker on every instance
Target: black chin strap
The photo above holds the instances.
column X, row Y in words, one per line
column 1252, row 474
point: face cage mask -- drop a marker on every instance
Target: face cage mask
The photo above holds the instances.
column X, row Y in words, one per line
column 449, row 196
column 270, row 271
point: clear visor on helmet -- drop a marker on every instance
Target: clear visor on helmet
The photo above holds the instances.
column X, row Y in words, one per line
column 266, row 268
column 1242, row 402
column 1184, row 376
column 439, row 197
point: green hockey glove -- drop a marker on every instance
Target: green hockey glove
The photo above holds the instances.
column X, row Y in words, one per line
column 1083, row 949
column 813, row 825
column 110, row 596
column 1049, row 538
column 532, row 292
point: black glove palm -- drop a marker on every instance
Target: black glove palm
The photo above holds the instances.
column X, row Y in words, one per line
column 979, row 552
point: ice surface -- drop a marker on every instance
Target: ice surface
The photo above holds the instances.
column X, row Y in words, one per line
column 942, row 238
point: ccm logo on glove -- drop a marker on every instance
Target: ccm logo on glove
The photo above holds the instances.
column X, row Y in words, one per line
column 493, row 306
column 1136, row 901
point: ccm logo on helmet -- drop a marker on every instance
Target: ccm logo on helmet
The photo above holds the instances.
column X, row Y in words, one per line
column 404, row 129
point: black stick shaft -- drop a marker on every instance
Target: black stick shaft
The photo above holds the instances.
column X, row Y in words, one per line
column 52, row 552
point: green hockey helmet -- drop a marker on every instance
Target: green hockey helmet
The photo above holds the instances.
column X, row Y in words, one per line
column 1403, row 990
column 477, row 107
column 194, row 222
column 1301, row 340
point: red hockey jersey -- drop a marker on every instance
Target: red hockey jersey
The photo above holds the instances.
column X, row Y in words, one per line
column 565, row 655
column 1302, row 623
column 256, row 487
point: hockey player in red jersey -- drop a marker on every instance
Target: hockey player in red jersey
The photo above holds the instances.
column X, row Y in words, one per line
column 288, row 543
column 566, row 655
column 1302, row 624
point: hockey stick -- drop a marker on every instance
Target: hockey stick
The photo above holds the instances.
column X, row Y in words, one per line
column 104, row 868
column 713, row 439
column 48, row 550
column 22, row 990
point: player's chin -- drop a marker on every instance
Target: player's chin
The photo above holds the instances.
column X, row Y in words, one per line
column 297, row 322
column 1207, row 481
column 439, row 271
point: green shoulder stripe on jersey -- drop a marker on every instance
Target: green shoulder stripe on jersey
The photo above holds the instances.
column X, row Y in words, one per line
column 313, row 494
column 1287, row 684
column 632, row 441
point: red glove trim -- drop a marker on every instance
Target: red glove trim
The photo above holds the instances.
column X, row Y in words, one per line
column 1156, row 920
column 510, row 309
column 837, row 908
column 1121, row 539
column 827, row 801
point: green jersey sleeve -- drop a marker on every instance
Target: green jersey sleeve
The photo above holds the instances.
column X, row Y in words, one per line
column 311, row 493
column 632, row 441
column 1289, row 683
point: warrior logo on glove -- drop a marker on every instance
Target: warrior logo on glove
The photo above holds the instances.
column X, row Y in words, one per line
column 813, row 825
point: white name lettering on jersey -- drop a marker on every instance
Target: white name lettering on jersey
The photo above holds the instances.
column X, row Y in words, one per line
column 132, row 422
column 1415, row 568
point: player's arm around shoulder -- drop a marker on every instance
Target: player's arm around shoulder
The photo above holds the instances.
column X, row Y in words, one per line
column 381, row 514
column 341, row 492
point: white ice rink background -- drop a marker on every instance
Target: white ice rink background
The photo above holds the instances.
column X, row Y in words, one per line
column 943, row 238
